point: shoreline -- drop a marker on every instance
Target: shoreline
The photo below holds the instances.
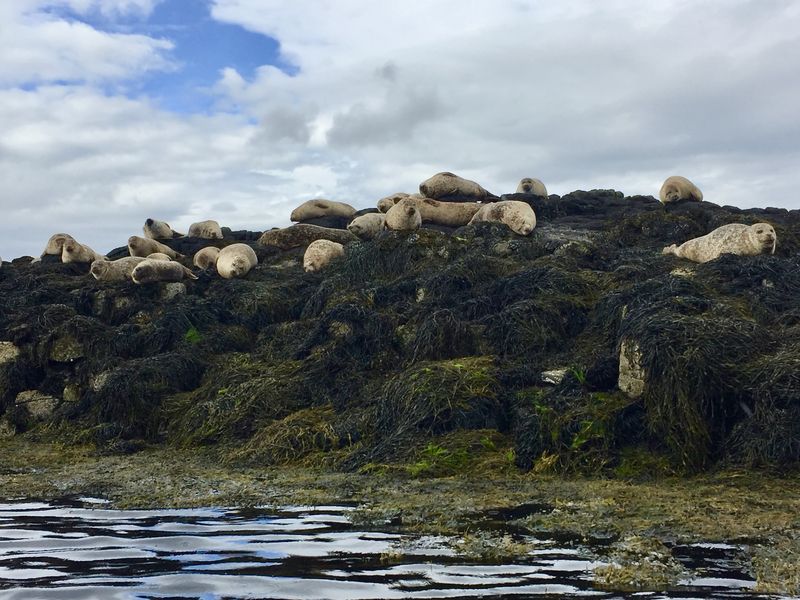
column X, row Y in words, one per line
column 760, row 511
column 721, row 506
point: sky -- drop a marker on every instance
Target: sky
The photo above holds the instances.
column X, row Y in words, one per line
column 115, row 111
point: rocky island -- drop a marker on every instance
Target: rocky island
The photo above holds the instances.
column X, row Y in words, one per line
column 431, row 374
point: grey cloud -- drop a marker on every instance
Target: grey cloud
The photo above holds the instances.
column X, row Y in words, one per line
column 387, row 72
column 284, row 123
column 392, row 123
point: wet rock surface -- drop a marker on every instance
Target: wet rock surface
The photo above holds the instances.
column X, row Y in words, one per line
column 427, row 349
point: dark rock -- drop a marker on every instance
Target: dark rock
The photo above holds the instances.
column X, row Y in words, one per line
column 329, row 222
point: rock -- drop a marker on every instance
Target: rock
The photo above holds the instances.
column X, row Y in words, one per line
column 99, row 381
column 66, row 349
column 8, row 352
column 631, row 375
column 71, row 393
column 7, row 430
column 554, row 376
column 173, row 290
column 303, row 234
column 39, row 406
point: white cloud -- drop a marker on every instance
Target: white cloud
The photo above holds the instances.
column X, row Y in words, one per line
column 581, row 94
column 37, row 46
column 109, row 8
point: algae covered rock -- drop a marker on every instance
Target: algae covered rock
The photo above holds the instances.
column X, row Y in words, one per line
column 414, row 336
column 631, row 374
column 38, row 406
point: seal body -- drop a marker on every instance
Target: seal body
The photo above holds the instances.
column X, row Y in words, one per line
column 531, row 185
column 384, row 204
column 74, row 252
column 209, row 230
column 679, row 188
column 303, row 234
column 320, row 253
column 153, row 271
column 734, row 238
column 519, row 216
column 448, row 186
column 158, row 256
column 404, row 216
column 159, row 229
column 451, row 214
column 55, row 245
column 236, row 260
column 115, row 270
column 367, row 226
column 206, row 257
column 320, row 207
column 139, row 246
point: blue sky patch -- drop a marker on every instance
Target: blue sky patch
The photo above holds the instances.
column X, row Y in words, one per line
column 203, row 47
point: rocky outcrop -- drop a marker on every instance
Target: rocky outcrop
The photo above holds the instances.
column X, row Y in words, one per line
column 410, row 339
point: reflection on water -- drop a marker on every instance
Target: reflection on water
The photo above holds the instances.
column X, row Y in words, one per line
column 80, row 550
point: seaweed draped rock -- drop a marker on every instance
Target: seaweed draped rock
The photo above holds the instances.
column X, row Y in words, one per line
column 413, row 341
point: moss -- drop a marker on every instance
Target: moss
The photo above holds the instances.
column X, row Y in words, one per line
column 485, row 545
column 238, row 396
column 639, row 563
column 638, row 463
column 463, row 452
column 776, row 567
column 292, row 438
column 192, row 335
column 570, row 430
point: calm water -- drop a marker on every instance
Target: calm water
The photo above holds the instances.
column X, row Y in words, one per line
column 79, row 550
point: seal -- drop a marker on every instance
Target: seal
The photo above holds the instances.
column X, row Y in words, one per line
column 152, row 271
column 74, row 252
column 384, row 204
column 206, row 257
column 679, row 188
column 236, row 260
column 449, row 214
column 531, row 185
column 367, row 226
column 139, row 246
column 734, row 238
column 115, row 270
column 159, row 230
column 404, row 216
column 158, row 256
column 55, row 245
column 303, row 234
column 320, row 207
column 519, row 216
column 320, row 253
column 209, row 230
column 447, row 186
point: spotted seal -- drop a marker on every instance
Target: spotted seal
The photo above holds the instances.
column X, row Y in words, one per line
column 679, row 188
column 139, row 246
column 153, row 271
column 519, row 216
column 448, row 186
column 734, row 238
column 531, row 185
column 209, row 230
column 115, row 270
column 154, row 229
column 236, row 260
column 404, row 216
column 320, row 253
column 320, row 207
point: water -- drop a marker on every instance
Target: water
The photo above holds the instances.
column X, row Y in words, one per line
column 81, row 550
